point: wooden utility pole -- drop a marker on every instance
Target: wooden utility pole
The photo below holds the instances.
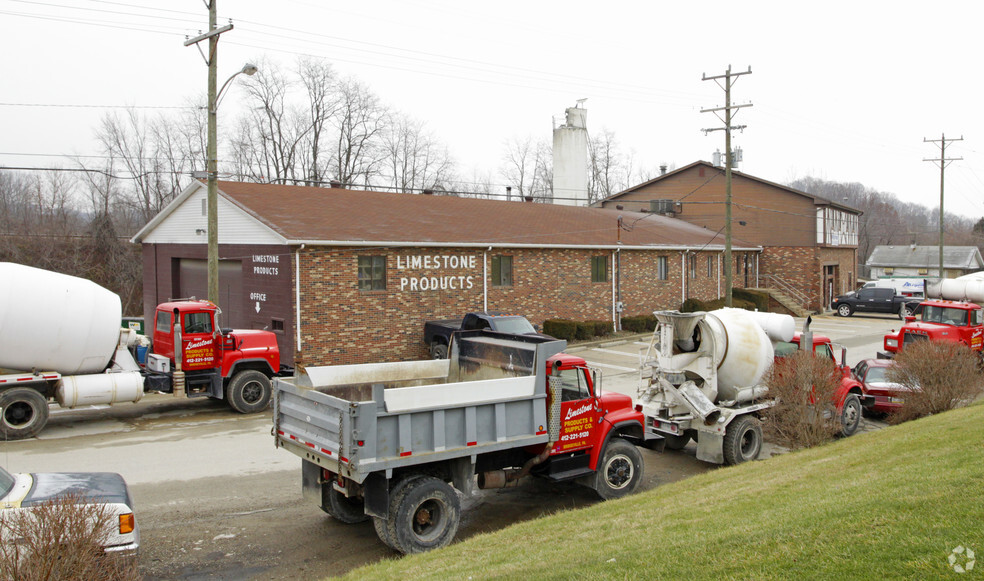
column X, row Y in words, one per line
column 211, row 161
column 729, row 80
column 942, row 161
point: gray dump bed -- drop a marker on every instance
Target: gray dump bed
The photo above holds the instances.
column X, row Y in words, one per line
column 358, row 419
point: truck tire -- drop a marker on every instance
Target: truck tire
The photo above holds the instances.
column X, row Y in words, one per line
column 851, row 415
column 381, row 524
column 439, row 351
column 844, row 310
column 742, row 440
column 249, row 392
column 342, row 508
column 619, row 470
column 424, row 514
column 25, row 413
column 678, row 442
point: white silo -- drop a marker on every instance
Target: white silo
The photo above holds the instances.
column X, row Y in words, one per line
column 570, row 158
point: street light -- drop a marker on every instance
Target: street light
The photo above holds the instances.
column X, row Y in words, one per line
column 211, row 168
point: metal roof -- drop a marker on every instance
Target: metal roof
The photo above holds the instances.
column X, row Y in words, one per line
column 339, row 216
column 963, row 257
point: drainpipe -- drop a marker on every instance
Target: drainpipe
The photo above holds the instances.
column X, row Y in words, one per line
column 485, row 278
column 683, row 276
column 297, row 299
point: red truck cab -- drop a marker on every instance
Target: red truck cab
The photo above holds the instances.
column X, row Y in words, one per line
column 235, row 365
column 849, row 396
column 598, row 432
column 940, row 320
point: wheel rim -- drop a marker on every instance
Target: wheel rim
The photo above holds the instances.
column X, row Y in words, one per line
column 851, row 414
column 429, row 520
column 19, row 414
column 619, row 472
column 252, row 392
column 748, row 443
column 844, row 311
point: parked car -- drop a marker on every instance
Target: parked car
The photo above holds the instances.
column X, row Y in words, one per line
column 874, row 300
column 437, row 334
column 887, row 396
column 23, row 492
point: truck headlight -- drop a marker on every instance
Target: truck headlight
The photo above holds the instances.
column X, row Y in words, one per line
column 891, row 343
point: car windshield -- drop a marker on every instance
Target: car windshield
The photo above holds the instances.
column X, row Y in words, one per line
column 6, row 482
column 516, row 326
column 946, row 315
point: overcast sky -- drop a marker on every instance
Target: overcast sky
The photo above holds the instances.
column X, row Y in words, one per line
column 843, row 91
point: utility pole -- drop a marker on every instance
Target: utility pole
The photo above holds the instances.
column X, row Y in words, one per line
column 729, row 80
column 211, row 161
column 942, row 161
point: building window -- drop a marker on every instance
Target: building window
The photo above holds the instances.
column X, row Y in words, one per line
column 372, row 273
column 502, row 271
column 692, row 263
column 662, row 270
column 710, row 267
column 923, row 271
column 277, row 325
column 599, row 269
column 889, row 271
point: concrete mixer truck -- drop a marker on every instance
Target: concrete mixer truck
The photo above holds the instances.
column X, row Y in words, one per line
column 702, row 377
column 951, row 312
column 61, row 340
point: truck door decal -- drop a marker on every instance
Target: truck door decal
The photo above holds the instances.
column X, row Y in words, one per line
column 578, row 412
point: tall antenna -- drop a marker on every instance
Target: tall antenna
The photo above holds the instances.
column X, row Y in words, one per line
column 729, row 80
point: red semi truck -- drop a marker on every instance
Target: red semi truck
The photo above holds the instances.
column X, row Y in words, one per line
column 61, row 340
column 951, row 312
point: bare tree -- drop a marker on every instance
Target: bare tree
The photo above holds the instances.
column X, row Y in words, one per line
column 323, row 100
column 528, row 167
column 414, row 158
column 610, row 169
column 360, row 124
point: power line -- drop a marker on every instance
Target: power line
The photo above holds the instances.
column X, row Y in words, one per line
column 80, row 106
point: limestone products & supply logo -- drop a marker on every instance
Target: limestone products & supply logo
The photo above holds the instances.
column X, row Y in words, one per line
column 961, row 559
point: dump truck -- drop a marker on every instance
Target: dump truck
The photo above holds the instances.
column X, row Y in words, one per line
column 392, row 441
column 61, row 340
column 701, row 379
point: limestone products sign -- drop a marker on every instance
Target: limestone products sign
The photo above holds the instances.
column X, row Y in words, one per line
column 414, row 275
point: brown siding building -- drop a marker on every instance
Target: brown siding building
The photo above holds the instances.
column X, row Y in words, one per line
column 809, row 244
column 346, row 276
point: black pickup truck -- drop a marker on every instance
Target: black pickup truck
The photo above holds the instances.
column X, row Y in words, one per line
column 437, row 334
column 874, row 300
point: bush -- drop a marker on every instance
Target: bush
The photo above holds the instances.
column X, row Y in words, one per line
column 757, row 298
column 639, row 323
column 602, row 328
column 692, row 306
column 560, row 328
column 940, row 376
column 61, row 539
column 735, row 303
column 584, row 330
column 802, row 417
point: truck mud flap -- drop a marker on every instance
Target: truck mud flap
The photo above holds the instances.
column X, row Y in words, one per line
column 375, row 488
column 710, row 447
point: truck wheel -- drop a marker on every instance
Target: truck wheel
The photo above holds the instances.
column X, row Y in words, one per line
column 619, row 470
column 742, row 440
column 439, row 351
column 844, row 310
column 25, row 413
column 423, row 515
column 850, row 415
column 678, row 442
column 249, row 392
column 342, row 508
column 381, row 524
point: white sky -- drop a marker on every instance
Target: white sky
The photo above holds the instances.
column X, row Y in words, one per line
column 843, row 91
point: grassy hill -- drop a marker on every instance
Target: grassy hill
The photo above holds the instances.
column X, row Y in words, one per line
column 887, row 504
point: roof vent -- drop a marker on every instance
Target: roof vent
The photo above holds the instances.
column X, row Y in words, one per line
column 335, row 184
column 428, row 192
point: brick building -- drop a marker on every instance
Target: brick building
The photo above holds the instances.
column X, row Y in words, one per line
column 349, row 276
column 809, row 244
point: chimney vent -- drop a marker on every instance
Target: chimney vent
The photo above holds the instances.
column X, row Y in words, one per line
column 335, row 184
column 662, row 169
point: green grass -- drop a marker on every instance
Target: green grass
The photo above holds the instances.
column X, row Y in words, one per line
column 886, row 504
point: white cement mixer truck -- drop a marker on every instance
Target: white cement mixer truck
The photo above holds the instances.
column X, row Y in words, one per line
column 702, row 380
column 61, row 339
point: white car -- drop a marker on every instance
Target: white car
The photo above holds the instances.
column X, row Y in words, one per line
column 19, row 492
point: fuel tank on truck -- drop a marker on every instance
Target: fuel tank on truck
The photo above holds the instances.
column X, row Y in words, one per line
column 55, row 322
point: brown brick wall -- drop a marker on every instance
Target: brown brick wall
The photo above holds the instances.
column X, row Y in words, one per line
column 341, row 324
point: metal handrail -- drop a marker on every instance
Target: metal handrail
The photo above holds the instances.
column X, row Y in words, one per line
column 785, row 287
